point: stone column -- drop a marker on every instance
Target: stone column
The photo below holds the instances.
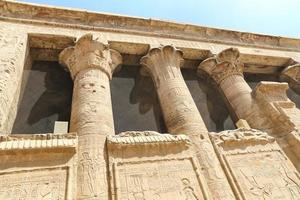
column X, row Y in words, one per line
column 91, row 65
column 291, row 75
column 226, row 71
column 182, row 116
column 265, row 108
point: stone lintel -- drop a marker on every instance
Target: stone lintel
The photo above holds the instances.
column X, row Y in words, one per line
column 89, row 53
column 273, row 101
column 87, row 20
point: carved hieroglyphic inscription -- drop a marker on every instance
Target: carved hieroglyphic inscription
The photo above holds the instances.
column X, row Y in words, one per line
column 43, row 184
column 91, row 168
column 256, row 165
column 265, row 175
column 162, row 179
column 149, row 165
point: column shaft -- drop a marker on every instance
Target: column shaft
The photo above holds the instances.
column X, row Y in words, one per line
column 91, row 64
column 91, row 104
column 180, row 112
column 238, row 95
column 92, row 120
column 266, row 108
column 182, row 116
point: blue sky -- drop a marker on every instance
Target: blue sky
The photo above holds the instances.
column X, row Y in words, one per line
column 275, row 17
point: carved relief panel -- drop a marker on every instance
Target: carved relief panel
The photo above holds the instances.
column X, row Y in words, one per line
column 149, row 165
column 256, row 166
column 41, row 184
column 163, row 179
column 38, row 167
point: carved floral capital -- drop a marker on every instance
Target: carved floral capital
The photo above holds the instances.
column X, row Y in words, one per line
column 89, row 53
column 161, row 59
column 222, row 65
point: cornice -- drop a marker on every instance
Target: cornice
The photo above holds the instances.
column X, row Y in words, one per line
column 81, row 19
column 37, row 141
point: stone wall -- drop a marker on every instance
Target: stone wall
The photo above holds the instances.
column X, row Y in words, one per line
column 188, row 162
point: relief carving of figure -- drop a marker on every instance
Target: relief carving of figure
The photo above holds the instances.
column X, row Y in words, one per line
column 20, row 193
column 208, row 161
column 46, row 191
column 290, row 182
column 138, row 188
column 88, row 174
column 188, row 191
column 256, row 189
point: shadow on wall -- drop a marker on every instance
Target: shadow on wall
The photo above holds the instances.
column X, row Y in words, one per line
column 47, row 98
column 136, row 105
column 209, row 102
column 135, row 102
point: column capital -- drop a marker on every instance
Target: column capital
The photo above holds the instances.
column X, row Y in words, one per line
column 89, row 53
column 160, row 60
column 291, row 75
column 222, row 65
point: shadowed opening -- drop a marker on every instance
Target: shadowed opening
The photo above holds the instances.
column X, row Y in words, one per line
column 209, row 102
column 135, row 102
column 45, row 97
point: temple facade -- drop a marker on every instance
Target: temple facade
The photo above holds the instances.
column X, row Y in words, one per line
column 110, row 107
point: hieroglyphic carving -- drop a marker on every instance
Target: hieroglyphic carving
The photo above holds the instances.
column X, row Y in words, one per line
column 149, row 165
column 12, row 59
column 91, row 64
column 181, row 114
column 40, row 184
column 266, row 107
column 91, row 167
column 256, row 165
column 267, row 178
column 162, row 179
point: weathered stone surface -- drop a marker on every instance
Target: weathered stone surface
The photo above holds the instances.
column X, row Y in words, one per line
column 41, row 166
column 291, row 75
column 91, row 65
column 267, row 107
column 149, row 165
column 181, row 115
column 185, row 163
column 256, row 166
